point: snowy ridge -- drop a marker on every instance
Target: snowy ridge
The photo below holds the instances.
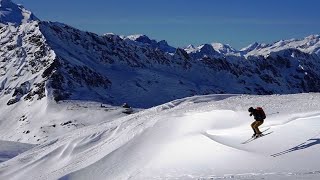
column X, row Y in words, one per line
column 253, row 47
column 224, row 48
column 205, row 50
column 145, row 40
column 14, row 14
column 176, row 141
column 310, row 44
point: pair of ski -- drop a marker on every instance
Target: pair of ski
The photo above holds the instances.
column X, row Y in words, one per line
column 264, row 133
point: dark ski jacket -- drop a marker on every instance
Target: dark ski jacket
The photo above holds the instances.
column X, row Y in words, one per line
column 258, row 115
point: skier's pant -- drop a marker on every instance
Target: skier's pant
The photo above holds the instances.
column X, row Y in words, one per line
column 255, row 126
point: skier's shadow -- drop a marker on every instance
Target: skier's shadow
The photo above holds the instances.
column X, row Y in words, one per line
column 307, row 144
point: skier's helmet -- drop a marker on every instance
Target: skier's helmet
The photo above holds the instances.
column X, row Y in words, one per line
column 250, row 109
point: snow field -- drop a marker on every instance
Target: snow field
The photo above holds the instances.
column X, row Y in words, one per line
column 193, row 138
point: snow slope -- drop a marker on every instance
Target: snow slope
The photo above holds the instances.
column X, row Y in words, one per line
column 36, row 122
column 9, row 149
column 193, row 138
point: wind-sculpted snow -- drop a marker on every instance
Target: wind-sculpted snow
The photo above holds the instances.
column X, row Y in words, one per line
column 191, row 138
column 86, row 146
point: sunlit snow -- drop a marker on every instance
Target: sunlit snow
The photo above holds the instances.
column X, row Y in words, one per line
column 193, row 138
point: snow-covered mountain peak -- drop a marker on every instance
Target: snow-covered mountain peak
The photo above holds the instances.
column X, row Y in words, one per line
column 212, row 50
column 250, row 47
column 140, row 38
column 204, row 50
column 11, row 13
column 223, row 48
column 144, row 40
column 253, row 46
column 309, row 44
column 312, row 40
column 109, row 33
column 313, row 37
column 190, row 48
column 207, row 48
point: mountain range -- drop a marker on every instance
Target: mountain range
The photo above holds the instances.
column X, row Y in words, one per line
column 61, row 89
column 48, row 59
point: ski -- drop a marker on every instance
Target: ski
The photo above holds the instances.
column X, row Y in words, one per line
column 253, row 138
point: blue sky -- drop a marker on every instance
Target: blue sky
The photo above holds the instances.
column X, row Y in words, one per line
column 182, row 22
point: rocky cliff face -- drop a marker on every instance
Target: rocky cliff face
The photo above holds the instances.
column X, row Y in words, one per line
column 24, row 57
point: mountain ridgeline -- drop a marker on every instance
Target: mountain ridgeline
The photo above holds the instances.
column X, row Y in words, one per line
column 40, row 59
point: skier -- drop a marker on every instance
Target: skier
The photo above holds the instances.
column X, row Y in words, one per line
column 127, row 108
column 125, row 105
column 259, row 116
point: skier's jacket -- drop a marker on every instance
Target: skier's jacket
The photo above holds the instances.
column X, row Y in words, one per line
column 258, row 114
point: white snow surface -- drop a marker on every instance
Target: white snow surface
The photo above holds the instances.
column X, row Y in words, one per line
column 193, row 138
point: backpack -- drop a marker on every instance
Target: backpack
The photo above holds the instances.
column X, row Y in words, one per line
column 261, row 112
